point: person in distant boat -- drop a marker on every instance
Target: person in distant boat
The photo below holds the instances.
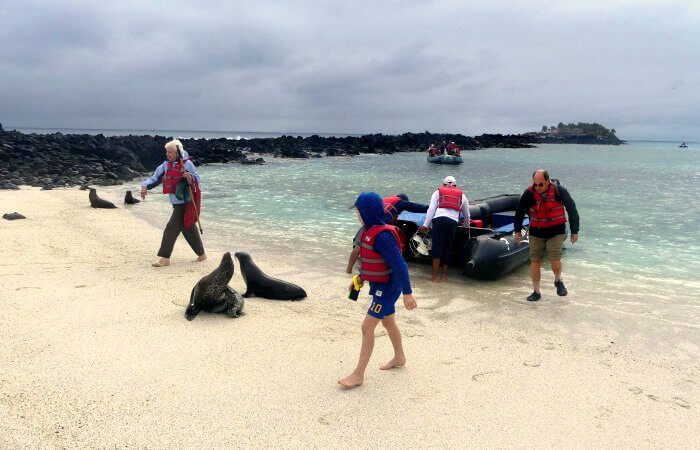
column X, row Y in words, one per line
column 386, row 271
column 177, row 170
column 443, row 214
column 453, row 149
column 432, row 150
column 393, row 206
column 545, row 202
column 443, row 147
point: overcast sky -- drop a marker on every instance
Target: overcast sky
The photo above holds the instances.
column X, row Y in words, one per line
column 352, row 66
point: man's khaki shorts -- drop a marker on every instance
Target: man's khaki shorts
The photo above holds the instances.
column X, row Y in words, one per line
column 553, row 246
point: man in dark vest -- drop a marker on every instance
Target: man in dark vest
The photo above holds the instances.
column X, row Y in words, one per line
column 545, row 202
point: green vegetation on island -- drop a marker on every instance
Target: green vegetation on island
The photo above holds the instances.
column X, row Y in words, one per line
column 583, row 133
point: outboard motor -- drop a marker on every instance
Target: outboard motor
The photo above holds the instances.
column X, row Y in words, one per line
column 420, row 245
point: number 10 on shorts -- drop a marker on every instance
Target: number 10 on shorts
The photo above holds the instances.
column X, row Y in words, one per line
column 375, row 307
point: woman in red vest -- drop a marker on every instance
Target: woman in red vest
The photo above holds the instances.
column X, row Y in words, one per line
column 172, row 172
column 443, row 213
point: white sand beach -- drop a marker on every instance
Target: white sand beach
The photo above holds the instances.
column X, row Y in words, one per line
column 96, row 352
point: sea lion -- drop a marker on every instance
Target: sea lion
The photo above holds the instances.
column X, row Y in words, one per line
column 213, row 294
column 97, row 202
column 129, row 199
column 264, row 286
column 13, row 216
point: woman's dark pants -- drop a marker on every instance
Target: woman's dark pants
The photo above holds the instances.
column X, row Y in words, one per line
column 444, row 230
column 175, row 226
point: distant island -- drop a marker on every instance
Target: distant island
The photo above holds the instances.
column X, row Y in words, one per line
column 58, row 160
column 576, row 133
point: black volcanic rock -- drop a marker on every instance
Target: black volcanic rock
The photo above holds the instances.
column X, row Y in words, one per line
column 57, row 159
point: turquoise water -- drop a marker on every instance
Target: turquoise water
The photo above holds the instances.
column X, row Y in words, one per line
column 638, row 251
column 638, row 203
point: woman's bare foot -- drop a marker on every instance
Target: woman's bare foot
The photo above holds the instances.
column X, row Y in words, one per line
column 434, row 280
column 201, row 258
column 351, row 381
column 162, row 262
column 395, row 362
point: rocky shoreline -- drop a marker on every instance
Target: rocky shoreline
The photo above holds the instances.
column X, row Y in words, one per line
column 59, row 160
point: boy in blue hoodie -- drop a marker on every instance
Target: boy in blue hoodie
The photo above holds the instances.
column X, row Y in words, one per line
column 388, row 278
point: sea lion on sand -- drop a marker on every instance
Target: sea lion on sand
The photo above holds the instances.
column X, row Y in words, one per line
column 129, row 199
column 13, row 216
column 264, row 286
column 213, row 294
column 97, row 202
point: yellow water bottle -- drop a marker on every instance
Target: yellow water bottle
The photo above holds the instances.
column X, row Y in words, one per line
column 357, row 284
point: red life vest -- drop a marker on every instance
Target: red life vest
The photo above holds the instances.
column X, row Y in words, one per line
column 547, row 210
column 373, row 267
column 450, row 197
column 390, row 207
column 174, row 172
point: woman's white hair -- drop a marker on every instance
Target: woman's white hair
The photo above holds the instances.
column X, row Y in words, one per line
column 175, row 144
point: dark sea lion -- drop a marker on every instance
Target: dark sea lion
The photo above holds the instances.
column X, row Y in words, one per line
column 97, row 202
column 264, row 286
column 212, row 293
column 129, row 199
column 13, row 216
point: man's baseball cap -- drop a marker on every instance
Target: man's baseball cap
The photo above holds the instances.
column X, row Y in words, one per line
column 450, row 180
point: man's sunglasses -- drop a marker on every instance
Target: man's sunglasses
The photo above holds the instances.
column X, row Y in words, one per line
column 538, row 184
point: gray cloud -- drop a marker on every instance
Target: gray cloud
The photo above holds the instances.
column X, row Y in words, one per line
column 352, row 66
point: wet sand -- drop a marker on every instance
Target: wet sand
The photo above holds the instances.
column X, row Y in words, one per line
column 97, row 352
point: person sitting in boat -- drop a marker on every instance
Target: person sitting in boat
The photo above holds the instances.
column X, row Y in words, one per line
column 443, row 147
column 445, row 205
column 433, row 151
column 452, row 149
column 393, row 206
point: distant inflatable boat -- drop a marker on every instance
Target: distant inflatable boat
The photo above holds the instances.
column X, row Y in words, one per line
column 683, row 145
column 445, row 159
column 486, row 250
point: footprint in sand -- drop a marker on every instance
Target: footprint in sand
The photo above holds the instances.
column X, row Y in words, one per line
column 485, row 376
column 323, row 420
column 681, row 402
column 635, row 390
column 532, row 363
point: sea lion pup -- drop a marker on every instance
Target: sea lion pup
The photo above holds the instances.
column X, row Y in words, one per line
column 129, row 199
column 213, row 294
column 264, row 286
column 97, row 202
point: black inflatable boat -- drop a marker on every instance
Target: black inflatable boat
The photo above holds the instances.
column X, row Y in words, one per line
column 486, row 250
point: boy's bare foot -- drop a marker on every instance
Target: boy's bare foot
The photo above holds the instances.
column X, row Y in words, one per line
column 201, row 258
column 395, row 362
column 434, row 280
column 162, row 262
column 351, row 381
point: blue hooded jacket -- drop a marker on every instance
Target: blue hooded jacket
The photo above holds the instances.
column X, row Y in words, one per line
column 371, row 209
